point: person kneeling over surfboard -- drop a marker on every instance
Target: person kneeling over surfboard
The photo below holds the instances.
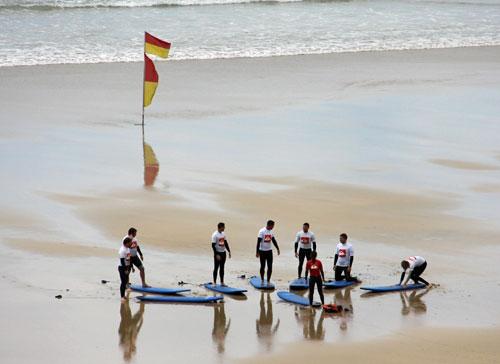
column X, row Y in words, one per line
column 125, row 266
column 344, row 257
column 416, row 266
column 265, row 250
column 317, row 277
column 219, row 245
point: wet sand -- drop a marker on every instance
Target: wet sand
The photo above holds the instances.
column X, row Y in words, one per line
column 435, row 345
column 376, row 215
column 397, row 149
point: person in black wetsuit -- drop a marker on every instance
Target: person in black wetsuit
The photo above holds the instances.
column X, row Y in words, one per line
column 342, row 263
column 317, row 277
column 416, row 266
column 125, row 266
column 265, row 250
column 219, row 246
column 305, row 241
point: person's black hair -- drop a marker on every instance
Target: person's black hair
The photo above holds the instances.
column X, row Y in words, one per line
column 314, row 254
column 220, row 225
column 343, row 235
column 270, row 222
column 132, row 231
column 127, row 241
column 306, row 224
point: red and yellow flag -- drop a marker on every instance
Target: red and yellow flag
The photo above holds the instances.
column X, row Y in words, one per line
column 150, row 80
column 156, row 46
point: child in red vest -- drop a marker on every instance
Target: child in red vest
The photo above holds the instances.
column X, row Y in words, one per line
column 317, row 277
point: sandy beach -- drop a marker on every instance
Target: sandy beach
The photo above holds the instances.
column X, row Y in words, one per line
column 398, row 149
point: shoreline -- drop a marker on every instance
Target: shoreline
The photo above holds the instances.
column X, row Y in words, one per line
column 172, row 59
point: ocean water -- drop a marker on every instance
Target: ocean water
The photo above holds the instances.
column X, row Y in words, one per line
column 86, row 31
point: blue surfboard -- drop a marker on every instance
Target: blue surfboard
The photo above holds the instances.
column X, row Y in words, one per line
column 393, row 288
column 255, row 281
column 179, row 299
column 224, row 289
column 295, row 298
column 299, row 283
column 338, row 284
column 157, row 290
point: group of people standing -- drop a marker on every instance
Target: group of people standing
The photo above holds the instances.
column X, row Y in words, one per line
column 305, row 248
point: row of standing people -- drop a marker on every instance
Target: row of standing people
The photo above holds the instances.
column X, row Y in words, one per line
column 305, row 247
column 305, row 244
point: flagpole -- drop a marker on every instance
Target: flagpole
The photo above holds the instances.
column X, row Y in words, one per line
column 143, row 84
column 143, row 146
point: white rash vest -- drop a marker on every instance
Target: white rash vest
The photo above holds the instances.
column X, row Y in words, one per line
column 305, row 240
column 124, row 253
column 345, row 252
column 415, row 262
column 267, row 239
column 133, row 246
column 219, row 240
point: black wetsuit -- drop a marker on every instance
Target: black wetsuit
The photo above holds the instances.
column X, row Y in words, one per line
column 316, row 280
column 415, row 275
column 266, row 256
column 123, row 276
column 219, row 264
column 303, row 254
column 343, row 270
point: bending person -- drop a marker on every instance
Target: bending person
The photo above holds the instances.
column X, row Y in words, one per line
column 415, row 266
column 219, row 246
column 265, row 250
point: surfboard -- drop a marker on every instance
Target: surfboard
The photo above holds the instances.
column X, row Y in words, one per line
column 299, row 283
column 224, row 289
column 156, row 290
column 393, row 288
column 180, row 299
column 255, row 281
column 338, row 284
column 295, row 298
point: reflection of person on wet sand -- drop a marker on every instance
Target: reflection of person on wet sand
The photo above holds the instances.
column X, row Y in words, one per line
column 344, row 300
column 220, row 329
column 413, row 303
column 129, row 329
column 307, row 318
column 264, row 324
